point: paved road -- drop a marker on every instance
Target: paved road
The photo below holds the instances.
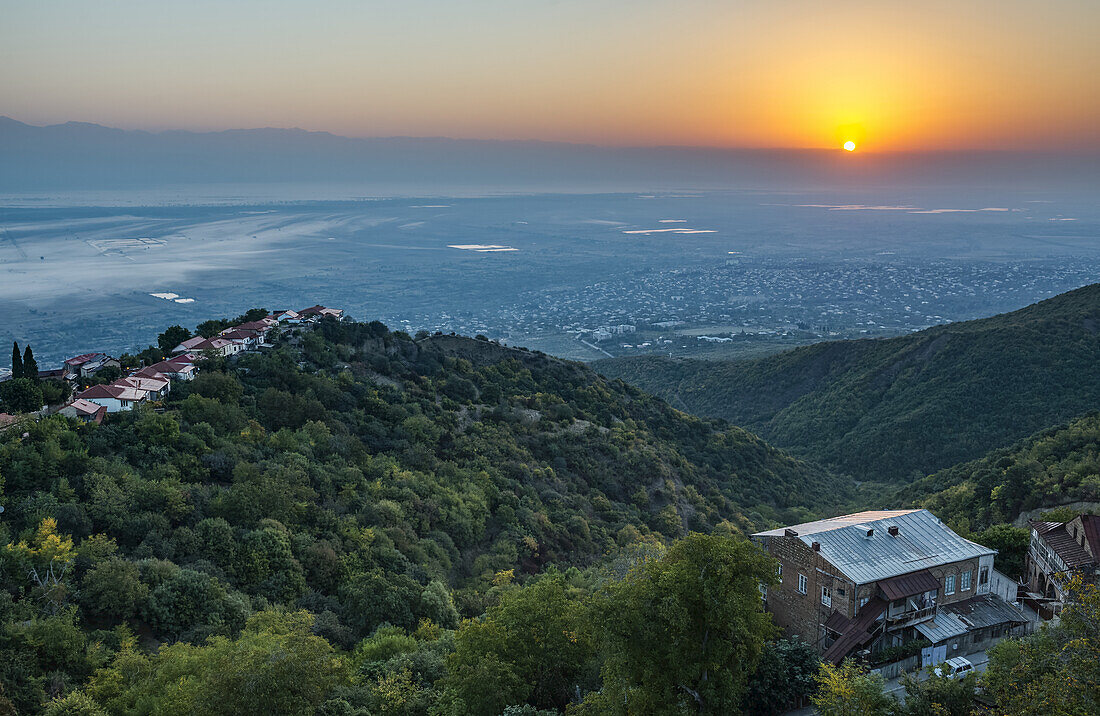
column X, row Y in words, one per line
column 895, row 689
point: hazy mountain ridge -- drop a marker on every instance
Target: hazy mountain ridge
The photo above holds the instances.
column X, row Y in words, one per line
column 81, row 155
column 895, row 408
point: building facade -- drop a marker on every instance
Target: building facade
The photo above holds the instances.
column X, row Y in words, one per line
column 864, row 583
column 1057, row 552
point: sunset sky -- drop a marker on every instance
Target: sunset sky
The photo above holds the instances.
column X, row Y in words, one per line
column 892, row 76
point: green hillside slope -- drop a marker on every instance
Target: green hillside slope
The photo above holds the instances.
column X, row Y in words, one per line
column 359, row 475
column 903, row 407
column 1054, row 467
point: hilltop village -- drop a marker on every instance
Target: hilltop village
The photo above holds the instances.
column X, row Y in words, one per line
column 100, row 384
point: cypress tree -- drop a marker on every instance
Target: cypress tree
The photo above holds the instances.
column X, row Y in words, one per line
column 16, row 361
column 30, row 365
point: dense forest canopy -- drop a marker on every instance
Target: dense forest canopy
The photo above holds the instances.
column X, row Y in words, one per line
column 1054, row 467
column 901, row 408
column 350, row 496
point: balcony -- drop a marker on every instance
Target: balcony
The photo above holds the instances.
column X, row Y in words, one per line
column 910, row 617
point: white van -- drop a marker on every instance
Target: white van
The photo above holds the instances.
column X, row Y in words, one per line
column 956, row 668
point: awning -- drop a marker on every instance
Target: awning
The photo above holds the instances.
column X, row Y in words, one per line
column 837, row 622
column 857, row 633
column 909, row 584
column 942, row 628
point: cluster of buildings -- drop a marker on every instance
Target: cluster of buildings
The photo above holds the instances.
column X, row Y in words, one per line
column 867, row 585
column 1058, row 552
column 154, row 382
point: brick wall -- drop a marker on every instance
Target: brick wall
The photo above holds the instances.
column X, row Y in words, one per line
column 803, row 614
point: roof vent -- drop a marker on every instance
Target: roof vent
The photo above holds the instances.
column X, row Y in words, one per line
column 789, row 533
column 816, row 546
column 870, row 532
column 893, row 530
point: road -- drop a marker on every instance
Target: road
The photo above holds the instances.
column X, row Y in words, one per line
column 894, row 688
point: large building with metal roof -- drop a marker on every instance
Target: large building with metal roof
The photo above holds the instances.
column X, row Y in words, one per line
column 862, row 583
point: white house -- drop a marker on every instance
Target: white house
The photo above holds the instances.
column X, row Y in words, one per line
column 115, row 398
column 220, row 346
column 188, row 344
column 84, row 410
column 172, row 369
column 155, row 388
column 87, row 364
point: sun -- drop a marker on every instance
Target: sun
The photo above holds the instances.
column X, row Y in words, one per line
column 849, row 146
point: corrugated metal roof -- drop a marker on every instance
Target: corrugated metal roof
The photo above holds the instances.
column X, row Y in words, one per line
column 909, row 584
column 984, row 611
column 1064, row 545
column 832, row 523
column 944, row 626
column 923, row 541
column 836, row 622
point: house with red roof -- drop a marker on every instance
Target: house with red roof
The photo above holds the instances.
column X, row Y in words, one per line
column 316, row 313
column 173, row 369
column 115, row 398
column 188, row 344
column 87, row 365
column 84, row 410
column 155, row 388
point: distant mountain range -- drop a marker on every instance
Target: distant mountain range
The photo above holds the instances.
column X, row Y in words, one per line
column 78, row 155
column 903, row 407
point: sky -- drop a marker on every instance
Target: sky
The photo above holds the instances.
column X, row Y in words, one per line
column 925, row 75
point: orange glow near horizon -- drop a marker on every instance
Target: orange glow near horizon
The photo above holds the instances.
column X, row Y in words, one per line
column 887, row 75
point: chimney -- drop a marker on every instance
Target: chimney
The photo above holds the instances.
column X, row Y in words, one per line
column 817, row 546
column 789, row 533
column 893, row 530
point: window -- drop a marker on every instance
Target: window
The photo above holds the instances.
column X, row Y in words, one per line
column 779, row 573
column 964, row 581
column 983, row 575
column 802, row 583
column 863, row 600
column 949, row 584
column 826, row 597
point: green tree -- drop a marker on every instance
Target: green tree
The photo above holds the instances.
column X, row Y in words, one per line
column 210, row 328
column 21, row 395
column 54, row 392
column 528, row 649
column 114, row 589
column 1056, row 670
column 786, row 673
column 1011, row 544
column 937, row 695
column 76, row 703
column 16, row 361
column 850, row 690
column 684, row 632
column 172, row 337
column 30, row 365
column 275, row 666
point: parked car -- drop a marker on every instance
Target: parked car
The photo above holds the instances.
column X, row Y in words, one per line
column 956, row 668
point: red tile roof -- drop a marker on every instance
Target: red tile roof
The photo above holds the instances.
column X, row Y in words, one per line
column 84, row 358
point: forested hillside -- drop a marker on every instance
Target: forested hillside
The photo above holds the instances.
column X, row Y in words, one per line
column 904, row 407
column 346, row 498
column 1054, row 467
